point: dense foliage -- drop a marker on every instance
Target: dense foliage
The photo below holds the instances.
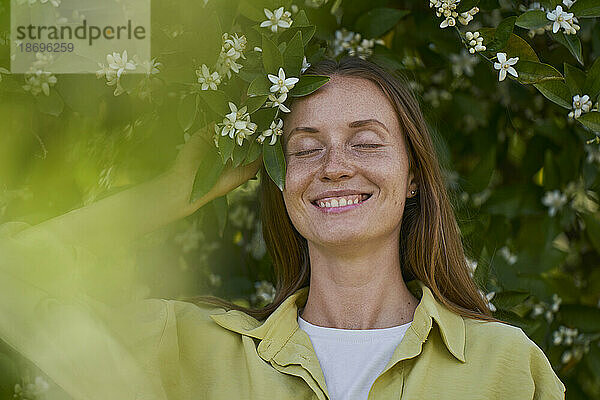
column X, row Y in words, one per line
column 510, row 90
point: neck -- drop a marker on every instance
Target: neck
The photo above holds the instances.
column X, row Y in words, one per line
column 358, row 288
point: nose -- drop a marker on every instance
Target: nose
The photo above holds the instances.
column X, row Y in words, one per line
column 335, row 166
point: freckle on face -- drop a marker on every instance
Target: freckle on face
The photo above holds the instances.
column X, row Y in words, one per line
column 341, row 163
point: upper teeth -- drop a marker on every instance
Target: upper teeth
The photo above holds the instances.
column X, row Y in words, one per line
column 339, row 201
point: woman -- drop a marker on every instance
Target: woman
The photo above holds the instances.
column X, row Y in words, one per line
column 374, row 299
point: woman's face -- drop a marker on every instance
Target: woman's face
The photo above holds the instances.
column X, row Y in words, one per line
column 347, row 173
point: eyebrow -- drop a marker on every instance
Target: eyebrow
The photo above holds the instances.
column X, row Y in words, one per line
column 355, row 124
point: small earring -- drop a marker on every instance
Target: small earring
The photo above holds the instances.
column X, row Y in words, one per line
column 413, row 192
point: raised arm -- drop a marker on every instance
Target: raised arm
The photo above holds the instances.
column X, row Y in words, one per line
column 91, row 350
column 133, row 212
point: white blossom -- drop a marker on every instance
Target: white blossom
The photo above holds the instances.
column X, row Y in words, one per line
column 265, row 293
column 510, row 258
column 353, row 44
column 505, row 65
column 281, row 84
column 583, row 200
column 472, row 265
column 31, row 391
column 305, row 65
column 236, row 124
column 563, row 19
column 214, row 279
column 546, row 309
column 463, row 63
column 593, row 153
column 39, row 81
column 275, row 130
column 488, row 297
column 581, row 104
column 475, row 42
column 277, row 19
column 232, row 49
column 278, row 102
column 467, row 16
column 207, row 79
column 55, row 3
column 569, row 3
column 556, row 301
column 151, row 67
column 119, row 63
column 447, row 9
column 554, row 200
column 564, row 335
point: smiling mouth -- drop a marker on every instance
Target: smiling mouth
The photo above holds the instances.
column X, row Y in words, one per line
column 341, row 201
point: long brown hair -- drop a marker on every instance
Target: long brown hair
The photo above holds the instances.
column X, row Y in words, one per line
column 431, row 249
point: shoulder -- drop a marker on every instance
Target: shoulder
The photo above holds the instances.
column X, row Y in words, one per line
column 507, row 348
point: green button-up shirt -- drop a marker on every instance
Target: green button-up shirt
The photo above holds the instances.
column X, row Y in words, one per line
column 168, row 349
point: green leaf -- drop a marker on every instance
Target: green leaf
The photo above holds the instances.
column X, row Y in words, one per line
column 274, row 161
column 300, row 19
column 259, row 86
column 215, row 100
column 254, row 152
column 592, row 81
column 533, row 19
column 208, row 172
column 556, row 91
column 308, row 84
column 378, row 21
column 508, row 299
column 293, row 56
column 254, row 103
column 250, row 10
column 503, row 33
column 592, row 228
column 575, row 79
column 534, row 72
column 466, row 5
column 586, row 8
column 551, row 171
column 584, row 318
column 206, row 38
column 226, row 147
column 272, row 58
column 263, row 118
column 187, row 111
column 240, row 152
column 220, row 207
column 52, row 104
column 130, row 81
column 571, row 42
column 515, row 47
column 591, row 120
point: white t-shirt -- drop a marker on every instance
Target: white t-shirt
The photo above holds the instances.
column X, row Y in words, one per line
column 351, row 359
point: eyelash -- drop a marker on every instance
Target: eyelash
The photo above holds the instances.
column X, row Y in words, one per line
column 367, row 145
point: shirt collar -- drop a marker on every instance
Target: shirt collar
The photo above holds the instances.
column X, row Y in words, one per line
column 282, row 324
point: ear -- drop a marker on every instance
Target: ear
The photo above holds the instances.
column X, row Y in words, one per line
column 412, row 184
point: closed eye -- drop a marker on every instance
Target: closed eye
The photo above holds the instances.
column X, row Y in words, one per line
column 305, row 152
column 369, row 145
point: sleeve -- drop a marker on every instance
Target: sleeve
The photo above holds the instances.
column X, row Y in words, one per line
column 92, row 350
column 547, row 385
